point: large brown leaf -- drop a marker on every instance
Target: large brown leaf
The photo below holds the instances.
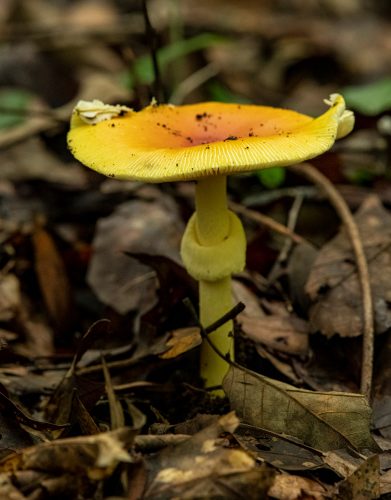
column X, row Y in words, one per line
column 333, row 284
column 322, row 420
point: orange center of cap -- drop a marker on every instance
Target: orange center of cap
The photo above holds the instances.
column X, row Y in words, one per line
column 194, row 125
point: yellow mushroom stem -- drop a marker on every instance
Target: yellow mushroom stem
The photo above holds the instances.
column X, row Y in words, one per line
column 214, row 247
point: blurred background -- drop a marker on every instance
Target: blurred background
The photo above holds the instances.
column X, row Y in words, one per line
column 64, row 228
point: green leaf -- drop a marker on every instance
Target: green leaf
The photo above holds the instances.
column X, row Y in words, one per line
column 143, row 69
column 371, row 99
column 16, row 101
column 271, row 178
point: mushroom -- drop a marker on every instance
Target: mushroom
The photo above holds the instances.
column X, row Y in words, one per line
column 204, row 142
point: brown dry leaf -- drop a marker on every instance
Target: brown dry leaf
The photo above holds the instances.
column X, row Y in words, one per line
column 181, row 341
column 8, row 491
column 284, row 366
column 200, row 465
column 280, row 330
column 363, row 483
column 53, row 279
column 59, row 407
column 117, row 417
column 10, row 297
column 288, row 487
column 135, row 226
column 333, row 285
column 20, row 417
column 382, row 416
column 95, row 456
column 281, row 452
column 288, row 334
column 32, row 160
column 324, row 420
column 249, row 484
column 385, row 483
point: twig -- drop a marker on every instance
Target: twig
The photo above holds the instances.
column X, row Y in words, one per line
column 286, row 247
column 345, row 214
column 267, row 221
column 204, row 332
column 158, row 89
column 228, row 316
column 26, row 130
column 192, row 82
column 124, row 363
column 148, row 443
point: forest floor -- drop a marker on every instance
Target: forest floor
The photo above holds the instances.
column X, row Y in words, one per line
column 100, row 391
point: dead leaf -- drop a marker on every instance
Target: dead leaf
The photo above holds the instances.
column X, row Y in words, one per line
column 363, row 483
column 8, row 491
column 10, row 297
column 288, row 487
column 278, row 330
column 333, row 286
column 197, row 467
column 117, row 417
column 58, row 408
column 249, row 484
column 95, row 456
column 32, row 161
column 136, row 226
column 288, row 334
column 280, row 452
column 326, row 421
column 33, row 426
column 382, row 416
column 53, row 280
column 282, row 363
column 181, row 341
column 385, row 483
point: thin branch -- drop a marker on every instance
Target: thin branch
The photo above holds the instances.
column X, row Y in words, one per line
column 286, row 247
column 264, row 220
column 158, row 89
column 205, row 332
column 192, row 82
column 228, row 316
column 346, row 216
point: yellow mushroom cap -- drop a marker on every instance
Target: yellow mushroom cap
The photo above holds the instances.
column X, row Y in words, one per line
column 170, row 143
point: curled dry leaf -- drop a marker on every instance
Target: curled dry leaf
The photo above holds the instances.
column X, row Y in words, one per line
column 196, row 467
column 181, row 341
column 288, row 487
column 324, row 420
column 95, row 456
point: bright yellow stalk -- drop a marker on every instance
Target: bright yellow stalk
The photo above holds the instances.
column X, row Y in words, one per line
column 212, row 227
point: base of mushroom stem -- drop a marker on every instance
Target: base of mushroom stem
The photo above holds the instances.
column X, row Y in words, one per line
column 215, row 301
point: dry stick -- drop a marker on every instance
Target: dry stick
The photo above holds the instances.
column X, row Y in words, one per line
column 158, row 89
column 122, row 363
column 345, row 214
column 266, row 221
column 286, row 247
column 192, row 82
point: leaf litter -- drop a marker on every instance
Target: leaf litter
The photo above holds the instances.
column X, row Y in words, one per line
column 120, row 411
